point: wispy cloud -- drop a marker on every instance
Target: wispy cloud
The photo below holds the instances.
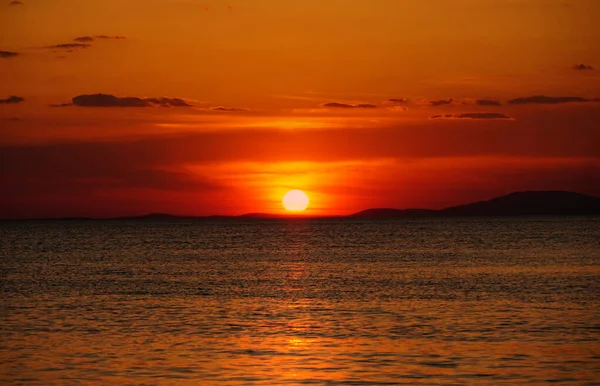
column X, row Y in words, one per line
column 441, row 102
column 8, row 54
column 15, row 2
column 168, row 102
column 487, row 102
column 69, row 46
column 81, row 42
column 543, row 99
column 84, row 39
column 400, row 101
column 110, row 37
column 92, row 38
column 582, row 67
column 396, row 108
column 338, row 105
column 472, row 116
column 228, row 109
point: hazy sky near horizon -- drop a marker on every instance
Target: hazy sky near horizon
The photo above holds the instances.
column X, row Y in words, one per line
column 119, row 107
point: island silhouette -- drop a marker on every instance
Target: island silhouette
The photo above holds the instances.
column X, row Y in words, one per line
column 525, row 203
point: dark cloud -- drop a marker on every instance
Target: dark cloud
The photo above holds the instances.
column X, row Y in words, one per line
column 338, row 105
column 487, row 102
column 62, row 105
column 442, row 116
column 397, row 108
column 472, row 116
column 483, row 116
column 16, row 2
column 12, row 99
column 168, row 102
column 110, row 37
column 401, row 101
column 543, row 99
column 8, row 54
column 228, row 109
column 84, row 39
column 82, row 42
column 69, row 46
column 92, row 38
column 441, row 102
column 107, row 100
column 582, row 67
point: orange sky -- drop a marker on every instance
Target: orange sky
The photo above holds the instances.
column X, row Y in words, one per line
column 362, row 103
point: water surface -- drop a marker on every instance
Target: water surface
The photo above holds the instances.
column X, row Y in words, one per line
column 335, row 302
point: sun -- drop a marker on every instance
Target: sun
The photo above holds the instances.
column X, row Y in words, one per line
column 295, row 200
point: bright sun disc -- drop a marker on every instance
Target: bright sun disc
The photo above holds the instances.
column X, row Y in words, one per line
column 295, row 200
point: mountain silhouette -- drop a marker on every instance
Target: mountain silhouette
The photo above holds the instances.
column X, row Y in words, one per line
column 530, row 203
column 514, row 204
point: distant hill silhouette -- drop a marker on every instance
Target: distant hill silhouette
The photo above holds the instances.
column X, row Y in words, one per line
column 530, row 203
column 514, row 204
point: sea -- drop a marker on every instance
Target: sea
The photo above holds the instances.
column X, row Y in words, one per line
column 452, row 301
